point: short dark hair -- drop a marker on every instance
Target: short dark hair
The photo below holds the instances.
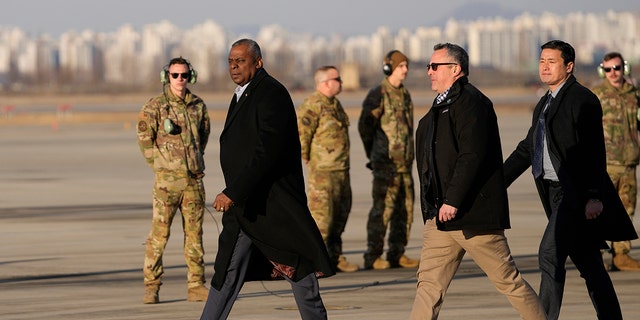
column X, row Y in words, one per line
column 179, row 60
column 457, row 53
column 567, row 52
column 254, row 48
column 612, row 55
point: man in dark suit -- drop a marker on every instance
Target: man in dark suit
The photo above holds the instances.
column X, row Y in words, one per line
column 268, row 231
column 565, row 148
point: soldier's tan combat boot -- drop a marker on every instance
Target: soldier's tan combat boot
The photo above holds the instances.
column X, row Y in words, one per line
column 624, row 262
column 346, row 266
column 151, row 295
column 199, row 293
column 406, row 262
column 380, row 264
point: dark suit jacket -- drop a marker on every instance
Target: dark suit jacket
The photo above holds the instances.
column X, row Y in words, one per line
column 465, row 171
column 576, row 146
column 260, row 160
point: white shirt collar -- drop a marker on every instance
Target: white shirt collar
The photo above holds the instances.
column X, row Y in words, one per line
column 239, row 90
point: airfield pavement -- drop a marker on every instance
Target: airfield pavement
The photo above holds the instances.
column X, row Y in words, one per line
column 75, row 209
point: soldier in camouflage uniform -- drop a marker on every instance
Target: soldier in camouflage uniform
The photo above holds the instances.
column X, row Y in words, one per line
column 324, row 137
column 173, row 130
column 620, row 104
column 386, row 129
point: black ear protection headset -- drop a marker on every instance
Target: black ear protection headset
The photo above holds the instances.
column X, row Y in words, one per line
column 626, row 70
column 164, row 74
column 386, row 67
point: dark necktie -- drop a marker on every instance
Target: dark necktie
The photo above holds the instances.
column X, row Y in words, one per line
column 538, row 148
column 232, row 105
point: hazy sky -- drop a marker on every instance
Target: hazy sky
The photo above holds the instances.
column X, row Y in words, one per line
column 322, row 17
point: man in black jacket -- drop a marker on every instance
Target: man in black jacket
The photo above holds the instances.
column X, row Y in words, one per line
column 268, row 231
column 565, row 148
column 462, row 191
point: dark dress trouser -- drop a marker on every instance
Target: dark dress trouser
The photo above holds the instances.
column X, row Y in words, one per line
column 219, row 302
column 556, row 245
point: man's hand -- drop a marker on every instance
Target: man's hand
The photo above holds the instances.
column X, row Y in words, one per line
column 593, row 209
column 222, row 203
column 447, row 213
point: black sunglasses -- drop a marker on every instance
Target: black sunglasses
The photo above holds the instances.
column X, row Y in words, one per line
column 616, row 68
column 185, row 75
column 434, row 65
column 336, row 79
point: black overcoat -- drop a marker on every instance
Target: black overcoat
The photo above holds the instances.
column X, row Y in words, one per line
column 465, row 171
column 576, row 145
column 260, row 160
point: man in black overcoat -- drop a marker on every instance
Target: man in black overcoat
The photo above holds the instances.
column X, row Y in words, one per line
column 268, row 231
column 463, row 196
column 570, row 174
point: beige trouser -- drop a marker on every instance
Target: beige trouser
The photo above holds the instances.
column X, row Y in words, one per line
column 442, row 252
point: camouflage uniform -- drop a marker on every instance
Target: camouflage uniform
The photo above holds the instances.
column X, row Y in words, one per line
column 178, row 163
column 386, row 129
column 324, row 138
column 620, row 122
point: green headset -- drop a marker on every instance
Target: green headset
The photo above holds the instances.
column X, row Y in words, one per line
column 164, row 74
column 626, row 69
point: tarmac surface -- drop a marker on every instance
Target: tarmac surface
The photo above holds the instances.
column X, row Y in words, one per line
column 75, row 209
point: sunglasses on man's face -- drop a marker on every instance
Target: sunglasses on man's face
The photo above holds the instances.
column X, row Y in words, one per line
column 434, row 65
column 185, row 75
column 608, row 69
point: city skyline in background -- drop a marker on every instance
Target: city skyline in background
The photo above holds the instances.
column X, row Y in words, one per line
column 346, row 18
column 502, row 49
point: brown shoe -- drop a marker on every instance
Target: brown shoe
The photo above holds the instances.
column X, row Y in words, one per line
column 380, row 264
column 199, row 293
column 346, row 266
column 406, row 262
column 151, row 295
column 624, row 262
